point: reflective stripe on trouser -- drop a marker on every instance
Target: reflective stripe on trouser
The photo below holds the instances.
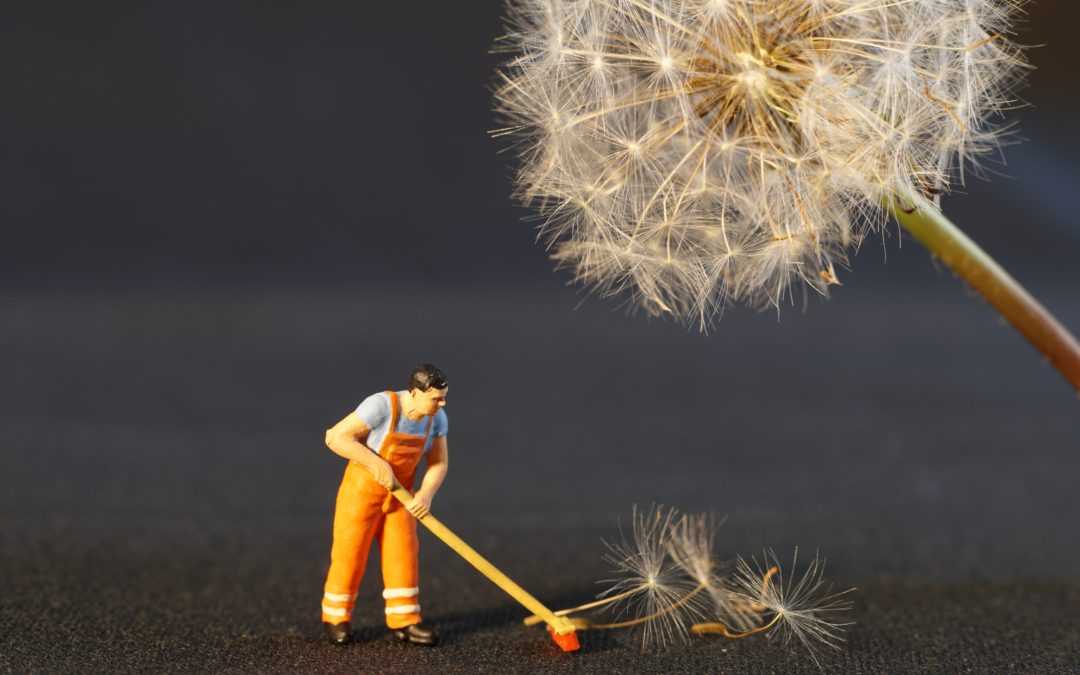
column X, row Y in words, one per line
column 358, row 519
column 402, row 602
column 337, row 607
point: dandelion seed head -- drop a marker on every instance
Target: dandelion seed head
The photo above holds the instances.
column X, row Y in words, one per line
column 695, row 153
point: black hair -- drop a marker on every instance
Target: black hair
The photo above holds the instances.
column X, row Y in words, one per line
column 426, row 376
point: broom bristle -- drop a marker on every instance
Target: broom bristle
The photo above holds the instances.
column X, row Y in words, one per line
column 567, row 642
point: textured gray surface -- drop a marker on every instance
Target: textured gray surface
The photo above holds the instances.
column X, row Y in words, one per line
column 166, row 500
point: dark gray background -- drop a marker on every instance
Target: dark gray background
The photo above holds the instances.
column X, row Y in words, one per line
column 223, row 224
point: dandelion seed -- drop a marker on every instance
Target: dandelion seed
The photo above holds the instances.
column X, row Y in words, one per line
column 692, row 548
column 782, row 124
column 653, row 591
column 801, row 606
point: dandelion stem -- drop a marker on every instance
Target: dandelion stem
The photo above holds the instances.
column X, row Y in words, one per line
column 533, row 619
column 759, row 606
column 765, row 583
column 712, row 628
column 1005, row 294
column 644, row 619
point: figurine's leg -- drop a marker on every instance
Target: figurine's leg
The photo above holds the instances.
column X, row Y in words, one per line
column 357, row 519
column 399, row 546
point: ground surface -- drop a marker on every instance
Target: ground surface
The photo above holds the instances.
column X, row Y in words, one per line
column 166, row 500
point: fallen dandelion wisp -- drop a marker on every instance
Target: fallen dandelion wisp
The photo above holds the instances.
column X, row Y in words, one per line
column 801, row 606
column 670, row 585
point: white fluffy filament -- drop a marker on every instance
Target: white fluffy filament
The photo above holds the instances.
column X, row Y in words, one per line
column 698, row 152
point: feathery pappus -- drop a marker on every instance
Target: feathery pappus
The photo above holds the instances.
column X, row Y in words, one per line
column 694, row 153
column 669, row 584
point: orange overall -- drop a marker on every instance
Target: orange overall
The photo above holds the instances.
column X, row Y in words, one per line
column 366, row 510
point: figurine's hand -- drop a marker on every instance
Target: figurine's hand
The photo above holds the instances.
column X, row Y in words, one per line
column 420, row 505
column 384, row 475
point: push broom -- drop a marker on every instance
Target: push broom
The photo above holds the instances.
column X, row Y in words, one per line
column 561, row 628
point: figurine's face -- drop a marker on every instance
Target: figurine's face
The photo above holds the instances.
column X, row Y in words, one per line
column 428, row 402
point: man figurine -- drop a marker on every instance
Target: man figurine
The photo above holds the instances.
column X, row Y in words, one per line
column 384, row 440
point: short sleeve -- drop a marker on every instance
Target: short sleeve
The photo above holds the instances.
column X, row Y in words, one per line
column 375, row 410
column 441, row 425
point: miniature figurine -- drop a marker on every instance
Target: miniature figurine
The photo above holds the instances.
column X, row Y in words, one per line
column 385, row 439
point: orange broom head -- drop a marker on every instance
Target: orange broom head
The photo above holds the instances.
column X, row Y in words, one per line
column 567, row 642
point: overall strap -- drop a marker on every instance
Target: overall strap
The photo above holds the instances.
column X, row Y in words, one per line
column 395, row 410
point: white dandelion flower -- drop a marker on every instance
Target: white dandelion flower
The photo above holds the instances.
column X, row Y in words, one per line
column 697, row 152
column 801, row 606
column 692, row 548
column 650, row 589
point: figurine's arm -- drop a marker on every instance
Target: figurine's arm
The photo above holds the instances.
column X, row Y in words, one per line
column 347, row 437
column 438, row 462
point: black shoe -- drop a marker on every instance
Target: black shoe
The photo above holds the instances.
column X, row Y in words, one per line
column 338, row 633
column 417, row 634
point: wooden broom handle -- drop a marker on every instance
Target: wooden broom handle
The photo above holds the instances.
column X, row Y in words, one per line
column 560, row 625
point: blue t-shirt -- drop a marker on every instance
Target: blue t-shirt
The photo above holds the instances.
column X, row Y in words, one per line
column 375, row 411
